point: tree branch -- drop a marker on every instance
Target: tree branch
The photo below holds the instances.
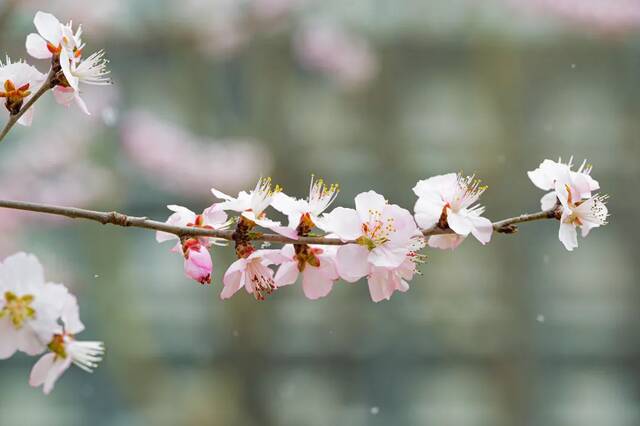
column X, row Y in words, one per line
column 13, row 118
column 506, row 226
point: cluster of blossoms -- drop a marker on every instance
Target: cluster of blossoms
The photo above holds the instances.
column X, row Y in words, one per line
column 376, row 240
column 571, row 196
column 63, row 46
column 38, row 316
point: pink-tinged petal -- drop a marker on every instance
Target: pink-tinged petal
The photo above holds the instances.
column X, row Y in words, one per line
column 264, row 223
column 380, row 285
column 268, row 256
column 287, row 274
column 184, row 214
column 80, row 102
column 445, row 242
column 315, row 283
column 162, row 236
column 288, row 251
column 387, row 257
column 460, row 224
column 568, row 236
column 286, row 231
column 435, row 184
column 587, row 227
column 27, row 118
column 49, row 27
column 64, row 96
column 428, row 210
column 233, row 278
column 221, row 195
column 548, row 201
column 404, row 225
column 8, row 337
column 352, row 262
column 47, row 370
column 369, row 201
column 37, row 47
column 30, row 343
column 482, row 228
column 41, row 369
column 214, row 215
column 345, row 223
column 198, row 265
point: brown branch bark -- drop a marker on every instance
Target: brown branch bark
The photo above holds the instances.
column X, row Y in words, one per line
column 506, row 226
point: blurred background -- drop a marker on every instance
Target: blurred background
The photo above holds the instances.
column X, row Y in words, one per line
column 374, row 95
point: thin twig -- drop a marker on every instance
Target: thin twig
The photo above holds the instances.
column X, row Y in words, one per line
column 507, row 226
column 13, row 118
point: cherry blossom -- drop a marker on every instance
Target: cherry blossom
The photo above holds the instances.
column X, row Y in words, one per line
column 212, row 217
column 548, row 173
column 18, row 81
column 578, row 212
column 383, row 234
column 66, row 350
column 344, row 57
column 251, row 205
column 29, row 306
column 197, row 263
column 448, row 201
column 53, row 37
column 197, row 260
column 315, row 263
column 304, row 214
column 252, row 273
column 58, row 42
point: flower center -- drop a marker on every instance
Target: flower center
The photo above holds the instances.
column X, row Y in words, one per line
column 262, row 285
column 18, row 308
column 376, row 231
column 57, row 346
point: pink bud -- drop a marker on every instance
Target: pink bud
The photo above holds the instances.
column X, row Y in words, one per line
column 197, row 264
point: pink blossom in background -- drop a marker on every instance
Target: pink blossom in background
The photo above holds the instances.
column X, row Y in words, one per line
column 181, row 162
column 344, row 57
column 605, row 15
column 51, row 166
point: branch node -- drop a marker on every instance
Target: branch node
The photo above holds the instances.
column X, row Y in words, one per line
column 116, row 218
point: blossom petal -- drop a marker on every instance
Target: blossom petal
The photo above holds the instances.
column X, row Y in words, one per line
column 369, row 201
column 233, row 278
column 380, row 285
column 287, row 274
column 435, row 184
column 482, row 228
column 49, row 27
column 428, row 210
column 568, row 236
column 37, row 47
column 459, row 223
column 343, row 222
column 352, row 262
column 445, row 242
column 8, row 340
column 548, row 201
column 316, row 283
